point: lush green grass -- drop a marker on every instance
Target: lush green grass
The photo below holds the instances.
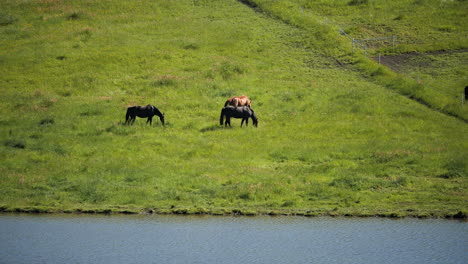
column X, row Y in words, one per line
column 418, row 25
column 441, row 74
column 330, row 140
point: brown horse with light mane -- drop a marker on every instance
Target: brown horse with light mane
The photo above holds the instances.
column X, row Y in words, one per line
column 238, row 101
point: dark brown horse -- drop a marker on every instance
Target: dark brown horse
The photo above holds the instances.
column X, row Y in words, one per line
column 143, row 111
column 243, row 112
column 238, row 101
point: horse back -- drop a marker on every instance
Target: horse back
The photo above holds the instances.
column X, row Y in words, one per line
column 242, row 100
column 131, row 109
column 140, row 111
column 237, row 112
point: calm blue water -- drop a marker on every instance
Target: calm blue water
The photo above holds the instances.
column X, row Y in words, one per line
column 181, row 239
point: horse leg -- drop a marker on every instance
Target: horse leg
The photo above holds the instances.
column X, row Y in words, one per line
column 150, row 120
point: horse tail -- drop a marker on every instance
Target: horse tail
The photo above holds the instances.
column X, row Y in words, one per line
column 127, row 116
column 226, row 103
column 221, row 117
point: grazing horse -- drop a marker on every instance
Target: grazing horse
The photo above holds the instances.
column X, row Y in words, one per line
column 143, row 111
column 243, row 112
column 238, row 101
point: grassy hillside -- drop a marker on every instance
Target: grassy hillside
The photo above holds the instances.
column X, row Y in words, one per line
column 432, row 31
column 443, row 74
column 330, row 139
column 418, row 28
column 418, row 25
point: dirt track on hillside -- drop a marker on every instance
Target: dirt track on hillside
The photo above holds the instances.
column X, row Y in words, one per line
column 401, row 62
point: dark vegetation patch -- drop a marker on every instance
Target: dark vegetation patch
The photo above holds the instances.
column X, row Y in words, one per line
column 388, row 156
column 85, row 34
column 461, row 215
column 165, row 80
column 47, row 121
column 15, row 144
column 191, row 46
column 401, row 62
column 75, row 16
column 249, row 3
column 211, row 128
column 6, row 19
column 120, row 130
column 91, row 112
column 336, row 212
column 455, row 168
column 358, row 2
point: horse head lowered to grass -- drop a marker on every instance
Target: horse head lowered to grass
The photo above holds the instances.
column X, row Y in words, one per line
column 238, row 101
column 243, row 112
column 143, row 111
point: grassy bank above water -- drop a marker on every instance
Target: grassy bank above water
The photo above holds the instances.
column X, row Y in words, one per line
column 331, row 140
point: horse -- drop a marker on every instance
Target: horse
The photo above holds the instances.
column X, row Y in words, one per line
column 243, row 112
column 143, row 111
column 238, row 101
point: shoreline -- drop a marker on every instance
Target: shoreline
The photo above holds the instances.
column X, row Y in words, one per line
column 456, row 215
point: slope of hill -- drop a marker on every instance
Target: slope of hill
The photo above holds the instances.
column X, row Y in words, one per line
column 374, row 28
column 330, row 140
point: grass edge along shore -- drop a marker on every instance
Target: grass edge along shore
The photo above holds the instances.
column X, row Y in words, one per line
column 236, row 212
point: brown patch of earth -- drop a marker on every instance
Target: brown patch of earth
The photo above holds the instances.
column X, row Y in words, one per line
column 401, row 62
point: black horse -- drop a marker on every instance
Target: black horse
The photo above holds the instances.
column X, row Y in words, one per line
column 243, row 112
column 143, row 111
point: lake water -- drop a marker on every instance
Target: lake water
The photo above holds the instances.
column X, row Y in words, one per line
column 190, row 239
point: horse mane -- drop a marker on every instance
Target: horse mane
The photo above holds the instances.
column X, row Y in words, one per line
column 156, row 110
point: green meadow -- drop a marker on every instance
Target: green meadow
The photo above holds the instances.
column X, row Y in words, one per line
column 338, row 134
